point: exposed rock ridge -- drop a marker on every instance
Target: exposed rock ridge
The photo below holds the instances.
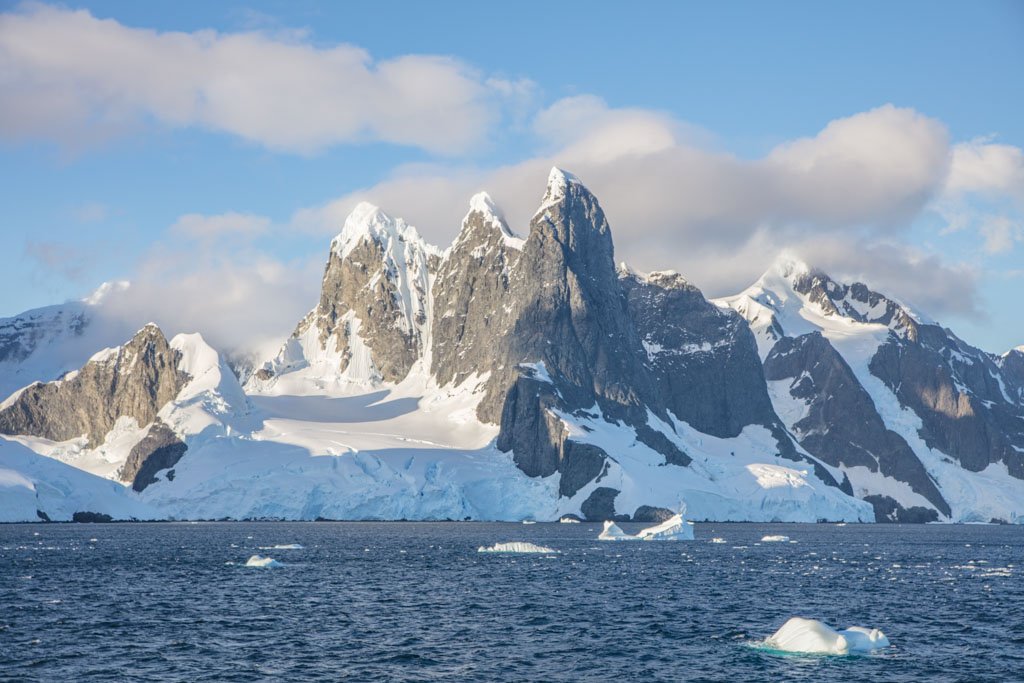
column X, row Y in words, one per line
column 134, row 380
column 966, row 408
column 471, row 293
column 854, row 301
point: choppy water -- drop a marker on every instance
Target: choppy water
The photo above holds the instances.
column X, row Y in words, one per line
column 415, row 601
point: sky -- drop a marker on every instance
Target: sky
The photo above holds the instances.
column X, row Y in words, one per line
column 208, row 152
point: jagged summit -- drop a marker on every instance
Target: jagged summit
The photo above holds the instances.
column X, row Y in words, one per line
column 561, row 185
column 491, row 217
column 667, row 279
column 614, row 393
column 559, row 179
column 369, row 221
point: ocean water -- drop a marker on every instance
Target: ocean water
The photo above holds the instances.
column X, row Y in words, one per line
column 416, row 602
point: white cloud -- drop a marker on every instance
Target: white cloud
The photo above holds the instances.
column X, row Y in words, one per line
column 980, row 166
column 673, row 202
column 244, row 301
column 842, row 198
column 1001, row 233
column 205, row 227
column 70, row 76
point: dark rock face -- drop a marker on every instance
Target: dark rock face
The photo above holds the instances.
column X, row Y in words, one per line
column 600, row 506
column 136, row 380
column 842, row 426
column 160, row 449
column 569, row 312
column 1012, row 366
column 568, row 328
column 471, row 293
column 888, row 510
column 704, row 359
column 85, row 517
column 540, row 441
column 957, row 392
column 651, row 515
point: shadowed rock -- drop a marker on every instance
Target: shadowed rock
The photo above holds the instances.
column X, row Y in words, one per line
column 160, row 449
column 842, row 426
column 958, row 393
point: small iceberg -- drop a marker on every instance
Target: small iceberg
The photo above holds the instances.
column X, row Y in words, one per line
column 518, row 547
column 810, row 636
column 261, row 561
column 612, row 532
column 286, row 546
column 774, row 539
column 718, row 539
column 529, row 521
column 675, row 528
column 568, row 520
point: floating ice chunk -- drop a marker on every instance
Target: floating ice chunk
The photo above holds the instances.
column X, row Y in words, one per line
column 718, row 539
column 286, row 546
column 261, row 561
column 774, row 539
column 675, row 528
column 814, row 637
column 612, row 532
column 861, row 639
column 519, row 547
column 808, row 635
column 529, row 521
column 569, row 520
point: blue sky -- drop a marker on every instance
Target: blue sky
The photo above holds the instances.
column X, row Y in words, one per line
column 880, row 140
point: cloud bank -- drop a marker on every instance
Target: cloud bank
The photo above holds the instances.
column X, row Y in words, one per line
column 70, row 76
column 843, row 198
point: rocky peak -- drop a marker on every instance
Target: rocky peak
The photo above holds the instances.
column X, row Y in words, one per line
column 484, row 220
column 374, row 301
column 471, row 294
column 570, row 215
column 790, row 282
column 133, row 380
column 668, row 279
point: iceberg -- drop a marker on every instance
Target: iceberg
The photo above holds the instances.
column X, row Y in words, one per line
column 675, row 528
column 569, row 520
column 861, row 639
column 718, row 539
column 261, row 561
column 286, row 546
column 612, row 532
column 774, row 539
column 518, row 547
column 811, row 636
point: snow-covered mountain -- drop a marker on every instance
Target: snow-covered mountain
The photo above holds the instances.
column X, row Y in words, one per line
column 44, row 343
column 925, row 426
column 512, row 377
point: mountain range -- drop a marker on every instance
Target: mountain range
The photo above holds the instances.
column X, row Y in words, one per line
column 519, row 377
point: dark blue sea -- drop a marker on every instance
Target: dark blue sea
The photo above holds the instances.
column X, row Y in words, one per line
column 416, row 602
